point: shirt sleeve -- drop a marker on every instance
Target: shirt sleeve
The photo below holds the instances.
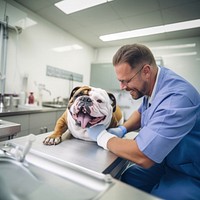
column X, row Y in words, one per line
column 165, row 124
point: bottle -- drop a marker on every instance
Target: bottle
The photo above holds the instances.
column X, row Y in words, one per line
column 22, row 98
column 31, row 98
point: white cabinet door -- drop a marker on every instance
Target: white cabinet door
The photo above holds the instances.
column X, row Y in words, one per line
column 42, row 122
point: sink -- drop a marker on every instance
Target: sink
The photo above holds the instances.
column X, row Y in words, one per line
column 54, row 104
column 30, row 107
column 8, row 129
column 44, row 177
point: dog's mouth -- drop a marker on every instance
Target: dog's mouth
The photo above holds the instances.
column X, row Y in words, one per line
column 85, row 120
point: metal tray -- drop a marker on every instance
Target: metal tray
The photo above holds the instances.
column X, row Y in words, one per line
column 47, row 178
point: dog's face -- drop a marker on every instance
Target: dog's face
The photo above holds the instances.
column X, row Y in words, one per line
column 90, row 106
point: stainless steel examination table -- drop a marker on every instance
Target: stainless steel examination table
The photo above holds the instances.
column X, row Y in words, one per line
column 83, row 153
column 83, row 165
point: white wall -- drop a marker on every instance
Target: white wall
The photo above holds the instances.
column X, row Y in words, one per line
column 30, row 51
column 186, row 66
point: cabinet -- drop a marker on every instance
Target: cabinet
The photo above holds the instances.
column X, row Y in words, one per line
column 35, row 123
column 42, row 122
column 103, row 76
column 20, row 119
column 59, row 114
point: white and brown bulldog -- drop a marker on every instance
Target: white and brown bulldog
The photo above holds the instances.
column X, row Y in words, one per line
column 88, row 106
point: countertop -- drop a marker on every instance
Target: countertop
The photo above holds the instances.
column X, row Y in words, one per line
column 26, row 110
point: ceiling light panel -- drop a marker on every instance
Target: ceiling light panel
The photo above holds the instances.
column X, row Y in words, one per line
column 152, row 30
column 71, row 6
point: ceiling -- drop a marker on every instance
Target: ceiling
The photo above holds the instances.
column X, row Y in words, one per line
column 118, row 16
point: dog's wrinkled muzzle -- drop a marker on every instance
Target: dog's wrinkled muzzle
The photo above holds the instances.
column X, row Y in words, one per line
column 83, row 116
column 85, row 104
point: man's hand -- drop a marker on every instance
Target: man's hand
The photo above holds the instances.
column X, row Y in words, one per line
column 119, row 131
column 100, row 134
column 94, row 131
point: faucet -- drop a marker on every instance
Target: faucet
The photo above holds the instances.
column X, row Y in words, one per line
column 31, row 139
column 15, row 152
column 43, row 87
column 57, row 99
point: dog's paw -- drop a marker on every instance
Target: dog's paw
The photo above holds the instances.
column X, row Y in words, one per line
column 52, row 141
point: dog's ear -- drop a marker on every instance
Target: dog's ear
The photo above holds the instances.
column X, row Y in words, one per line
column 73, row 91
column 78, row 91
column 113, row 99
column 71, row 99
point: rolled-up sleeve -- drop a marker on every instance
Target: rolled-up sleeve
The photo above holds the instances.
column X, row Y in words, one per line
column 165, row 124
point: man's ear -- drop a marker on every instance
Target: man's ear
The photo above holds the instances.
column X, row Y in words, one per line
column 113, row 99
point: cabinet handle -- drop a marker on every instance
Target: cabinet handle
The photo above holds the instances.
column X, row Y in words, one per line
column 43, row 129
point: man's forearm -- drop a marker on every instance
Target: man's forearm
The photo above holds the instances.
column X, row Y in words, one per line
column 133, row 123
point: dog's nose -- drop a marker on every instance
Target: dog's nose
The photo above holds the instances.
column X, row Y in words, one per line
column 86, row 101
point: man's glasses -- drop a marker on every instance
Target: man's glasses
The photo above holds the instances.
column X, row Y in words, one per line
column 127, row 82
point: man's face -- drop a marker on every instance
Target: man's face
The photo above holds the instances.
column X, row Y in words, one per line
column 131, row 80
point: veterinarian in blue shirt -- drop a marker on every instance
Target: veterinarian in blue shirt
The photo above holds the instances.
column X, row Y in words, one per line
column 166, row 151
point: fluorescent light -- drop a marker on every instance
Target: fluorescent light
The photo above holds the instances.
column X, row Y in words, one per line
column 180, row 54
column 71, row 6
column 179, row 46
column 152, row 30
column 67, row 48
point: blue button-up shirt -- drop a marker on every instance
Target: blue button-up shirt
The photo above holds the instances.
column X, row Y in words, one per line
column 170, row 127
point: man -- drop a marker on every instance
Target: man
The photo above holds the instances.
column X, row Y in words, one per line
column 166, row 150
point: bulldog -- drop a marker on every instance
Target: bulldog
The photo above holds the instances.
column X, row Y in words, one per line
column 87, row 107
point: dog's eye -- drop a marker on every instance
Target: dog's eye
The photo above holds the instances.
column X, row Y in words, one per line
column 99, row 100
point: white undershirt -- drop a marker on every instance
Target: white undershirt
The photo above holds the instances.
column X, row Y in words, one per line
column 150, row 98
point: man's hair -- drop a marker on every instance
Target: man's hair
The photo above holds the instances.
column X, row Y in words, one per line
column 134, row 55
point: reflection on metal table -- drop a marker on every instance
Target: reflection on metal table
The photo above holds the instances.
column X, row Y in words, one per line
column 83, row 153
column 58, row 172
